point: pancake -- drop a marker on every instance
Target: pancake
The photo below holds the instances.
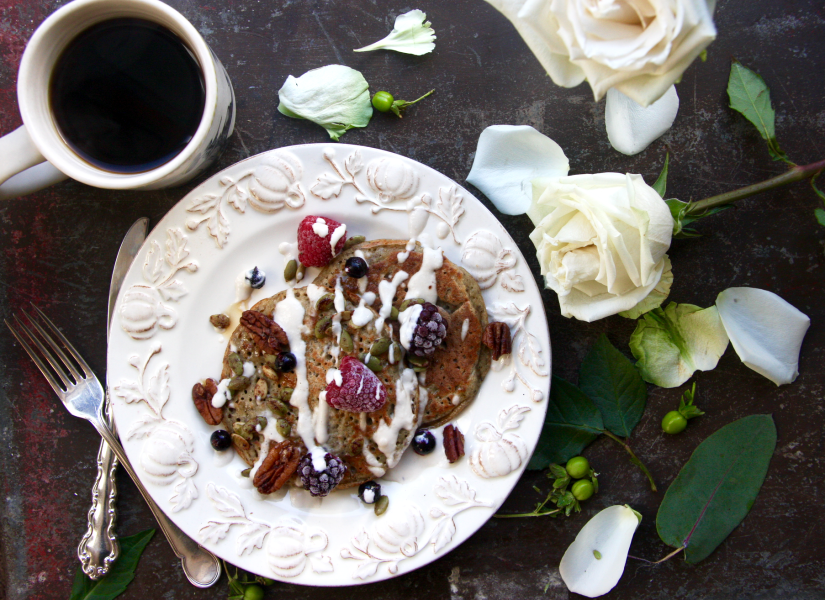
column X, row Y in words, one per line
column 459, row 365
column 367, row 443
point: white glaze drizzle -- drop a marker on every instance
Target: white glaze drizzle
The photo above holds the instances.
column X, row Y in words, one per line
column 465, row 327
column 248, row 369
column 334, row 375
column 339, row 232
column 289, row 314
column 340, row 302
column 362, row 281
column 320, row 227
column 315, row 293
column 422, row 284
column 242, row 288
column 402, row 256
column 320, row 419
column 386, row 292
column 373, row 464
column 222, row 395
column 386, row 436
column 319, row 462
column 408, row 319
column 363, row 315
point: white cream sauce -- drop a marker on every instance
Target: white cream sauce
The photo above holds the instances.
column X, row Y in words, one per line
column 422, row 284
column 465, row 327
column 320, row 228
column 222, row 395
column 386, row 436
column 339, row 232
column 408, row 319
column 386, row 292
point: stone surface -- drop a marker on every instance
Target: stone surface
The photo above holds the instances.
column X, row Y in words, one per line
column 57, row 248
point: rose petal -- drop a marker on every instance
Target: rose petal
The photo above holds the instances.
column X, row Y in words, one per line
column 656, row 297
column 508, row 157
column 630, row 127
column 595, row 561
column 765, row 331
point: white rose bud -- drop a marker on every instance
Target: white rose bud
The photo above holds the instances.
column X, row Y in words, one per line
column 640, row 47
column 601, row 241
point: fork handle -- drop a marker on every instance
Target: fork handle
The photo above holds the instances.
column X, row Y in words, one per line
column 200, row 566
column 99, row 548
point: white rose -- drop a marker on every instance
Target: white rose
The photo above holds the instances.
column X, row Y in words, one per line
column 601, row 241
column 640, row 47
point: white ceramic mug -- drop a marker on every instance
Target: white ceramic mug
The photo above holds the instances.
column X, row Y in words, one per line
column 39, row 139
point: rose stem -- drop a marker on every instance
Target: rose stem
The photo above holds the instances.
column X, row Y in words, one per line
column 793, row 174
column 634, row 459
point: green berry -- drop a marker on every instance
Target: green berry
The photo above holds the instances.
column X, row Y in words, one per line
column 253, row 592
column 578, row 467
column 674, row 422
column 582, row 490
column 382, row 101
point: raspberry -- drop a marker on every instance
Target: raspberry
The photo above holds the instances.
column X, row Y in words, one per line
column 321, row 482
column 430, row 331
column 360, row 389
column 314, row 249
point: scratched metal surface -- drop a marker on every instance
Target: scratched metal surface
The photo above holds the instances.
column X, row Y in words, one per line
column 57, row 248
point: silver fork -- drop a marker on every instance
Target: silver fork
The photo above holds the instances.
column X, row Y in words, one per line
column 82, row 394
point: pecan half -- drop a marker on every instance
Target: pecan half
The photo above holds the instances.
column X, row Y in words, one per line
column 268, row 334
column 202, row 396
column 453, row 443
column 278, row 467
column 497, row 338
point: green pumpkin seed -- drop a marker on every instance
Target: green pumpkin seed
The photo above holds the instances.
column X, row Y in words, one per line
column 261, row 422
column 235, row 363
column 407, row 303
column 286, row 394
column 290, row 270
column 269, row 373
column 299, row 275
column 270, row 359
column 373, row 364
column 322, row 327
column 261, row 388
column 346, row 315
column 246, row 472
column 354, row 241
column 419, row 369
column 394, row 314
column 325, row 302
column 346, row 342
column 240, row 442
column 278, row 407
column 380, row 347
column 381, row 505
column 283, row 427
column 417, row 361
column 239, row 383
column 395, row 353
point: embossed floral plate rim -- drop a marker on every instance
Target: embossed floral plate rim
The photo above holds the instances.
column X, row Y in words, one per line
column 161, row 343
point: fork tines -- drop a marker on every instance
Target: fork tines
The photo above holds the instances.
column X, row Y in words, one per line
column 70, row 372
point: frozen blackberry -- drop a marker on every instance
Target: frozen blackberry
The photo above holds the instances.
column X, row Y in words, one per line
column 320, row 477
column 369, row 492
column 221, row 439
column 430, row 331
column 256, row 278
column 423, row 442
column 356, row 267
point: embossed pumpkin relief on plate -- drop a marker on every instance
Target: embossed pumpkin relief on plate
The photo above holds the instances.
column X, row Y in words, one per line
column 166, row 456
column 292, row 544
column 143, row 310
column 485, row 258
column 498, row 451
column 267, row 187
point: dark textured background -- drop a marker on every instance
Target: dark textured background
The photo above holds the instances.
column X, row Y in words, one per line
column 57, row 248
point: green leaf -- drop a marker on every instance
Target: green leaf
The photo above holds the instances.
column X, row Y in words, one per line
column 120, row 575
column 750, row 96
column 661, row 182
column 820, row 216
column 717, row 487
column 572, row 422
column 611, row 381
column 671, row 344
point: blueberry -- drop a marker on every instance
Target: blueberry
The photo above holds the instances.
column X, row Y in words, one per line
column 221, row 439
column 356, row 267
column 285, row 362
column 423, row 442
column 369, row 492
column 256, row 278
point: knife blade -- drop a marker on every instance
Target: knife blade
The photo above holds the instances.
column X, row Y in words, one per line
column 99, row 547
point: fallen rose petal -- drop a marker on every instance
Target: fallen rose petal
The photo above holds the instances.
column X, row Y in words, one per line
column 507, row 158
column 594, row 562
column 630, row 127
column 765, row 331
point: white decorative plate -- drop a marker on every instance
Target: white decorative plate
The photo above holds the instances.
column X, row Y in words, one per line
column 162, row 343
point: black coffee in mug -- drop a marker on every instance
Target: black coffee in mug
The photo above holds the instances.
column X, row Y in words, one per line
column 127, row 95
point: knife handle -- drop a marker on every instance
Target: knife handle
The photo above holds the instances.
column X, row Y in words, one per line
column 99, row 547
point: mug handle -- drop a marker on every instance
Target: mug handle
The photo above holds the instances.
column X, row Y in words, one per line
column 23, row 169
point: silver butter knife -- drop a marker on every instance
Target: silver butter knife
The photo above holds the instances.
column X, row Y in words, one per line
column 99, row 547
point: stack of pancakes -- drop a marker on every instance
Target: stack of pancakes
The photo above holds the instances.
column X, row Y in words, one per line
column 450, row 382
